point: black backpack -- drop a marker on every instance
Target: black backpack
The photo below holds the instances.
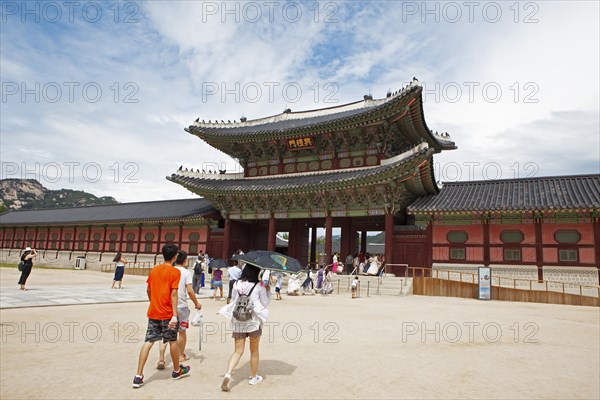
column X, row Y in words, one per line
column 244, row 306
column 198, row 269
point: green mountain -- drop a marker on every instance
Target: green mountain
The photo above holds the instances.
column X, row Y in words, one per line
column 29, row 194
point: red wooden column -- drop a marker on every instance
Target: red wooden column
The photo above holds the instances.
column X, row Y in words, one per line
column 207, row 243
column 429, row 248
column 121, row 238
column 60, row 239
column 75, row 240
column 35, row 239
column 328, row 238
column 389, row 238
column 539, row 250
column 272, row 232
column 180, row 244
column 104, row 238
column 596, row 226
column 363, row 241
column 89, row 238
column 345, row 241
column 486, row 243
column 226, row 239
column 352, row 238
column 292, row 239
column 139, row 241
column 159, row 248
column 313, row 244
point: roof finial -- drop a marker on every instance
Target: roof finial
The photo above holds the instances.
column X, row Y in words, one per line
column 242, row 118
column 389, row 93
column 197, row 119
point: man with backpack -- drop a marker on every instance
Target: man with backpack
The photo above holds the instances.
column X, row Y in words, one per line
column 198, row 271
column 247, row 313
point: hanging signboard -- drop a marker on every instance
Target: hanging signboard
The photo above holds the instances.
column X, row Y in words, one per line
column 485, row 283
column 301, row 143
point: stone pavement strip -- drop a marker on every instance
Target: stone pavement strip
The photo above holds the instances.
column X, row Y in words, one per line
column 39, row 296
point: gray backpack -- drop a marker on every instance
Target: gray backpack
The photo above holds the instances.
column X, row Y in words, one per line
column 244, row 306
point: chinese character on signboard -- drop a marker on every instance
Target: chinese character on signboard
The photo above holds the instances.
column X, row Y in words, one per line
column 302, row 143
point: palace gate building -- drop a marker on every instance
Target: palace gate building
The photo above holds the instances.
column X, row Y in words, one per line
column 356, row 167
column 363, row 166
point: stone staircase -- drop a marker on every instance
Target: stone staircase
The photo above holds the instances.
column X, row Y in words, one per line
column 388, row 285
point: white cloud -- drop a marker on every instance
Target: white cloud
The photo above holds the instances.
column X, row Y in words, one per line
column 170, row 55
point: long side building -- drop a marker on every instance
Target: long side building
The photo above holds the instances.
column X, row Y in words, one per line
column 363, row 166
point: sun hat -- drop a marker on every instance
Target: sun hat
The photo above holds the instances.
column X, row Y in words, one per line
column 27, row 248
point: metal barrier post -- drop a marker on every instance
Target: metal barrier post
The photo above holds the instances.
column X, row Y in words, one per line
column 338, row 288
column 368, row 284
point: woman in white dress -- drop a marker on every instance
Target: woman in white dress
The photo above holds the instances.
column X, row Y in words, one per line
column 293, row 286
column 373, row 266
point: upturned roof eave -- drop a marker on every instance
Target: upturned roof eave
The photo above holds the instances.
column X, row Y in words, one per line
column 389, row 109
column 408, row 168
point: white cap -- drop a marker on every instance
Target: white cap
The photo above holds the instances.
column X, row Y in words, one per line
column 27, row 248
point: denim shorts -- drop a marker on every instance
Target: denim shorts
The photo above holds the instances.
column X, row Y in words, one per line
column 244, row 335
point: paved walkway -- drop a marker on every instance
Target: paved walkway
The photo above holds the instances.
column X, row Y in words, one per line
column 39, row 296
column 51, row 287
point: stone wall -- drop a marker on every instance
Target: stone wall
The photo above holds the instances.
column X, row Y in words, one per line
column 520, row 275
column 575, row 275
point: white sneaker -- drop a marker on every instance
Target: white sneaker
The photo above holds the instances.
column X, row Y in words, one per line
column 225, row 383
column 255, row 380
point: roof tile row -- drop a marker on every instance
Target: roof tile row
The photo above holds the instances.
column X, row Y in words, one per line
column 561, row 192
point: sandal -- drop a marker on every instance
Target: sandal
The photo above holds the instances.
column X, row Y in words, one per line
column 160, row 365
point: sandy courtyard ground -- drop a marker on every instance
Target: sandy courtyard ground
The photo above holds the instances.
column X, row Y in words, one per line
column 313, row 347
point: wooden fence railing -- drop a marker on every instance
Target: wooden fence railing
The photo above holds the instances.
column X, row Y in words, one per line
column 141, row 268
column 430, row 282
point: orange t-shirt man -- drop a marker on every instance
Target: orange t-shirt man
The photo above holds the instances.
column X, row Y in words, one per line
column 162, row 279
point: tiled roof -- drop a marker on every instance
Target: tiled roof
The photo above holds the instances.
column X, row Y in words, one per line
column 278, row 125
column 293, row 123
column 296, row 182
column 545, row 193
column 143, row 211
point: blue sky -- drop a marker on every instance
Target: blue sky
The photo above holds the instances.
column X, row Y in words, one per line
column 98, row 100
